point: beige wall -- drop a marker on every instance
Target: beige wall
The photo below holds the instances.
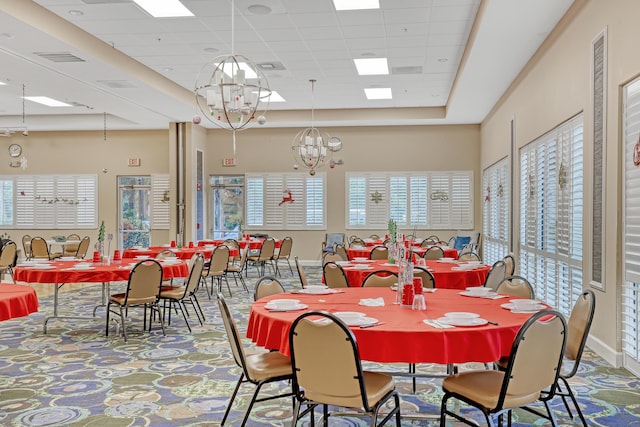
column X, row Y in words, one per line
column 88, row 152
column 412, row 148
column 556, row 86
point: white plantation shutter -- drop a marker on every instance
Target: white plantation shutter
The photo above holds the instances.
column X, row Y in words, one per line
column 255, row 201
column 495, row 193
column 551, row 206
column 418, row 200
column 6, row 202
column 412, row 199
column 630, row 309
column 161, row 208
column 52, row 201
column 265, row 209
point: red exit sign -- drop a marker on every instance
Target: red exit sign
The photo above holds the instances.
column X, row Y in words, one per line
column 134, row 162
column 229, row 161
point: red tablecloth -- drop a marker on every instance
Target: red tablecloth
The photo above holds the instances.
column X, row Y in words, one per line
column 360, row 252
column 253, row 244
column 17, row 301
column 182, row 253
column 403, row 337
column 446, row 274
column 63, row 272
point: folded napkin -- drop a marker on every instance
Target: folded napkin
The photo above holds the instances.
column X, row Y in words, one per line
column 372, row 302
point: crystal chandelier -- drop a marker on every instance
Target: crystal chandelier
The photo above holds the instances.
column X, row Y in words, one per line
column 231, row 91
column 313, row 148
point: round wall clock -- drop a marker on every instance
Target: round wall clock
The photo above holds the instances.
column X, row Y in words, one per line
column 15, row 150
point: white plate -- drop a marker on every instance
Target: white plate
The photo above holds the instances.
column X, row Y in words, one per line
column 470, row 294
column 362, row 267
column 142, row 257
column 287, row 308
column 477, row 321
column 320, row 291
column 448, row 261
column 342, row 314
column 360, row 321
column 83, row 268
column 510, row 306
column 43, row 267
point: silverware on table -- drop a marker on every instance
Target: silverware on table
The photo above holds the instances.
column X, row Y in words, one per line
column 371, row 325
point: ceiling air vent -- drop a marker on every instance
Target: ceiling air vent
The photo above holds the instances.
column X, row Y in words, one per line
column 59, row 56
column 411, row 69
column 117, row 84
column 271, row 66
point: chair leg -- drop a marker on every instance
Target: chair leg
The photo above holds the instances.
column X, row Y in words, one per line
column 184, row 314
column 197, row 308
column 233, row 396
column 296, row 411
column 574, row 400
column 124, row 326
column 106, row 328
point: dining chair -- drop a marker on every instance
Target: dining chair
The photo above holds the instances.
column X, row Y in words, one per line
column 301, row 274
column 235, row 270
column 428, row 281
column 264, row 256
column 510, row 261
column 379, row 252
column 428, row 242
column 40, row 249
column 83, row 247
column 232, row 244
column 215, row 269
column 466, row 249
column 331, row 239
column 374, row 236
column 433, row 237
column 496, row 275
column 357, row 242
column 469, row 256
column 71, row 245
column 335, row 377
column 179, row 296
column 579, row 325
column 256, row 368
column 143, row 289
column 8, row 254
column 334, row 276
column 380, row 279
column 267, row 285
column 534, row 366
column 433, row 253
column 331, row 256
column 516, row 286
column 340, row 250
column 284, row 253
column 26, row 246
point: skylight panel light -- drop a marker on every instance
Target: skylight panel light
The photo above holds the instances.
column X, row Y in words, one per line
column 378, row 93
column 45, row 100
column 356, row 4
column 371, row 66
column 275, row 97
column 164, row 8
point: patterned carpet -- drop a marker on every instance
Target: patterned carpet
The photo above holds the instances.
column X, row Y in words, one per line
column 75, row 376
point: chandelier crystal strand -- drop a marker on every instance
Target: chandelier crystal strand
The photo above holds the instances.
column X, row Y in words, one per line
column 231, row 91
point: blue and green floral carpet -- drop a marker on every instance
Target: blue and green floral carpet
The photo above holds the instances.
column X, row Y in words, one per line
column 76, row 376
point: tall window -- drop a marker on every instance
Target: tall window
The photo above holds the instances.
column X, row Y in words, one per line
column 48, row 201
column 286, row 201
column 631, row 286
column 551, row 214
column 434, row 200
column 495, row 219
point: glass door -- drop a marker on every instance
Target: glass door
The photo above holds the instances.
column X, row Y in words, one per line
column 227, row 207
column 134, row 220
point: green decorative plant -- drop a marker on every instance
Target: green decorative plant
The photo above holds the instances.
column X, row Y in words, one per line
column 393, row 229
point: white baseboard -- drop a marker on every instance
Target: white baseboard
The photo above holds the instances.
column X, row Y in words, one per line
column 614, row 358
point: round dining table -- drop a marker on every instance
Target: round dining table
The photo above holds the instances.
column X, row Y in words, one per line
column 448, row 275
column 61, row 272
column 183, row 253
column 354, row 252
column 17, row 301
column 401, row 334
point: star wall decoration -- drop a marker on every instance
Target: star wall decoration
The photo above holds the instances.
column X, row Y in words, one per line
column 376, row 197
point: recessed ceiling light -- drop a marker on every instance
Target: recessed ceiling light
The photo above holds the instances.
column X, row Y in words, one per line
column 164, row 8
column 211, row 49
column 75, row 12
column 372, row 66
column 2, row 83
column 167, row 69
column 45, row 100
column 378, row 93
column 443, row 59
column 259, row 9
column 356, row 4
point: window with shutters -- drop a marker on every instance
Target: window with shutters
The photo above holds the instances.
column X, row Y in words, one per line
column 495, row 218
column 434, row 200
column 48, row 201
column 551, row 214
column 630, row 310
column 286, row 201
column 161, row 208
